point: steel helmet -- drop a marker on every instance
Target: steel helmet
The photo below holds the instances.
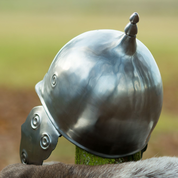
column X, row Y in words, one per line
column 103, row 92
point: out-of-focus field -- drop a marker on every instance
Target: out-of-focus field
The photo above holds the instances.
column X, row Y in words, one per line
column 32, row 32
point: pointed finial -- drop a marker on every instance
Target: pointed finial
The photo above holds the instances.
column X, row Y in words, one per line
column 131, row 28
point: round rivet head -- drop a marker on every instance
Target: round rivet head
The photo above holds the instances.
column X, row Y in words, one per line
column 45, row 141
column 24, row 157
column 35, row 121
column 54, row 80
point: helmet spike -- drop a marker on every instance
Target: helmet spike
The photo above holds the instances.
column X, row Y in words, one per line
column 131, row 27
column 128, row 42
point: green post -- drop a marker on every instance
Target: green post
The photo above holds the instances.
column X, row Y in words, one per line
column 83, row 157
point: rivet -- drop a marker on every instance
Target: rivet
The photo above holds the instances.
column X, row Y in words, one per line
column 35, row 122
column 24, row 157
column 45, row 141
column 54, row 80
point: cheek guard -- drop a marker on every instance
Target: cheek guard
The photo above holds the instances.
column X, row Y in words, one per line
column 38, row 137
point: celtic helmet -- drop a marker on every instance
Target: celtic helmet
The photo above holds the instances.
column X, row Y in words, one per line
column 102, row 92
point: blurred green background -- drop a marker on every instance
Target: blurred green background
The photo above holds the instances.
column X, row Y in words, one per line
column 32, row 32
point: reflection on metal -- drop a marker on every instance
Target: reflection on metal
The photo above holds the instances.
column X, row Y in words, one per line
column 103, row 92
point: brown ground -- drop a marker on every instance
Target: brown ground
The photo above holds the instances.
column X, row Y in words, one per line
column 15, row 106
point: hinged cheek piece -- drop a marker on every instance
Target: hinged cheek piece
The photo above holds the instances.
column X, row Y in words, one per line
column 38, row 137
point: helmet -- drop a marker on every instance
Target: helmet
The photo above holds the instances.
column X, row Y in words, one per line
column 103, row 92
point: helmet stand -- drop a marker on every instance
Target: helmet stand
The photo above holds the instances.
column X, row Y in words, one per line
column 86, row 158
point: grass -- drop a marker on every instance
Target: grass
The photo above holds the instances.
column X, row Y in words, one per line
column 167, row 123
